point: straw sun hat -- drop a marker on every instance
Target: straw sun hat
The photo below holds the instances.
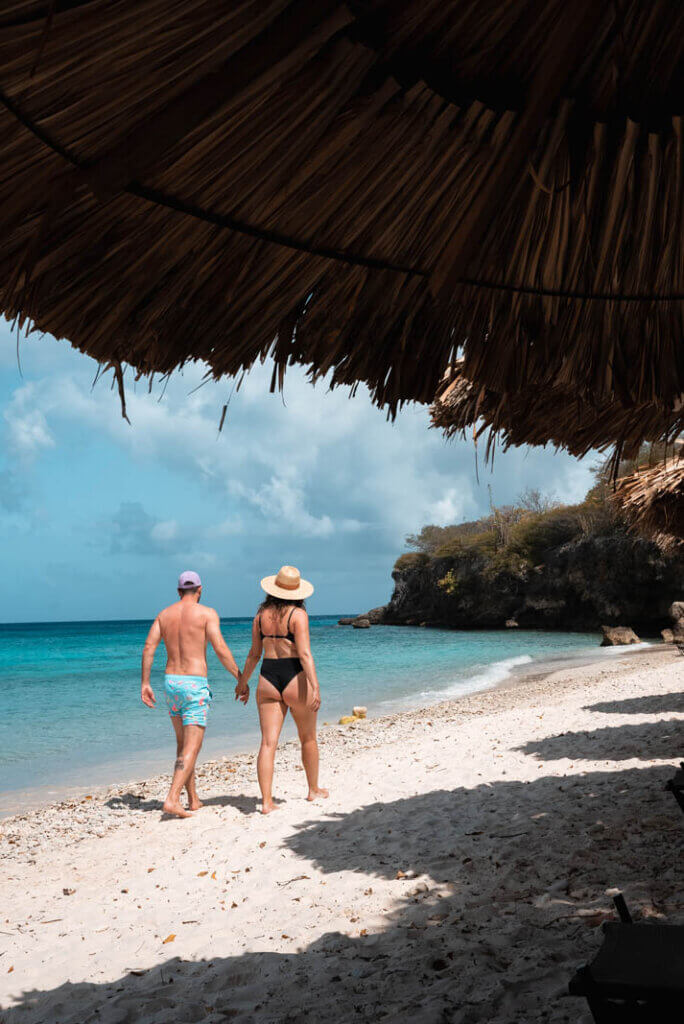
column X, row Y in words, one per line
column 287, row 583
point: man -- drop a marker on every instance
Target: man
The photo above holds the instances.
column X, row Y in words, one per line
column 185, row 628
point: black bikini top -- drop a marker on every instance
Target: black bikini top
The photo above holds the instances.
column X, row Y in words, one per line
column 279, row 636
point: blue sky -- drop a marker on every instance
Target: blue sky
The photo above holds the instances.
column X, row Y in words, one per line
column 98, row 516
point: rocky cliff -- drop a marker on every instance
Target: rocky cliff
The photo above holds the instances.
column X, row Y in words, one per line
column 581, row 585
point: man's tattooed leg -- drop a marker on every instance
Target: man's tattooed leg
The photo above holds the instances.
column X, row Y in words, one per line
column 179, row 765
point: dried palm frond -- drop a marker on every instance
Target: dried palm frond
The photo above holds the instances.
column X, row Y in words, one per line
column 557, row 415
column 653, row 500
column 363, row 188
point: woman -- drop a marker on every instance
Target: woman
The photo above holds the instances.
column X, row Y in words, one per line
column 287, row 677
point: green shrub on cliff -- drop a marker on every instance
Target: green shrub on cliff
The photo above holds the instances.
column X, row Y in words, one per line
column 535, row 534
column 432, row 538
column 515, row 538
column 411, row 560
column 482, row 543
column 544, row 564
column 449, row 583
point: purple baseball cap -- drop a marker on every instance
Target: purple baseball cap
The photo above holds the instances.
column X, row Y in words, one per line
column 187, row 580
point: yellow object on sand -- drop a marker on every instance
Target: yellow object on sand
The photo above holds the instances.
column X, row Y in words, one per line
column 359, row 713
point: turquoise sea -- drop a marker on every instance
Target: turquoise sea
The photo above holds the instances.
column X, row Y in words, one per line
column 72, row 715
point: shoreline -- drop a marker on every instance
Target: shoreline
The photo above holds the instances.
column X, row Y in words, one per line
column 46, row 798
column 476, row 839
column 71, row 740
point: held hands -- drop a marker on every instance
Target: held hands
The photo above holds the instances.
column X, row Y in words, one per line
column 241, row 691
column 147, row 695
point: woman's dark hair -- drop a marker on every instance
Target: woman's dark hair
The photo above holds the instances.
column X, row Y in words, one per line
column 279, row 603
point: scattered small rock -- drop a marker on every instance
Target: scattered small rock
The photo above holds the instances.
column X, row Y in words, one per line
column 618, row 636
column 375, row 616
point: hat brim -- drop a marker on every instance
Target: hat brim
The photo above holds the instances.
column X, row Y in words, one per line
column 305, row 589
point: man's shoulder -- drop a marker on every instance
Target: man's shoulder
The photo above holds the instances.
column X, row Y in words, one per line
column 207, row 612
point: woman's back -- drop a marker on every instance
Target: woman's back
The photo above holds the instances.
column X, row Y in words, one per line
column 277, row 632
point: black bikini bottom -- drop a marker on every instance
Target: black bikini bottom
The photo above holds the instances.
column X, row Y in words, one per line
column 280, row 671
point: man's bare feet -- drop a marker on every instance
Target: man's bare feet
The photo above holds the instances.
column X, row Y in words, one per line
column 175, row 808
column 194, row 804
column 313, row 793
column 268, row 806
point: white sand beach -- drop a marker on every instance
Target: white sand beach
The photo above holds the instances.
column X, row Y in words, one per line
column 457, row 873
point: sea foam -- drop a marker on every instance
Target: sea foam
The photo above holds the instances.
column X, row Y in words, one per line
column 496, row 672
column 490, row 676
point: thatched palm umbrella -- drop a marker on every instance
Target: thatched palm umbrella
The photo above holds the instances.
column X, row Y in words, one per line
column 557, row 414
column 653, row 500
column 363, row 187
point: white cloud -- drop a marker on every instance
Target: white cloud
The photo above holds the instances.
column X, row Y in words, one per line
column 316, row 464
column 27, row 428
column 132, row 530
column 449, row 509
column 282, row 503
column 164, row 531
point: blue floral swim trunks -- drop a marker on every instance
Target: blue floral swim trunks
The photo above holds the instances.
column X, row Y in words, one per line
column 188, row 698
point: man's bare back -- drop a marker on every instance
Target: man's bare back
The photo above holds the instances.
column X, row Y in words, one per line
column 185, row 627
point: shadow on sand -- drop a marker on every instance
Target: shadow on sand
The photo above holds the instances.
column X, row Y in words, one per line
column 133, row 802
column 651, row 741
column 481, row 927
column 656, row 704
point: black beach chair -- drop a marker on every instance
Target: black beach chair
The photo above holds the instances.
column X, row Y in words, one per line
column 637, row 976
column 676, row 786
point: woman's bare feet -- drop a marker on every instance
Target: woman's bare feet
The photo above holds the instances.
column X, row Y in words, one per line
column 313, row 793
column 268, row 806
column 175, row 808
column 194, row 804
